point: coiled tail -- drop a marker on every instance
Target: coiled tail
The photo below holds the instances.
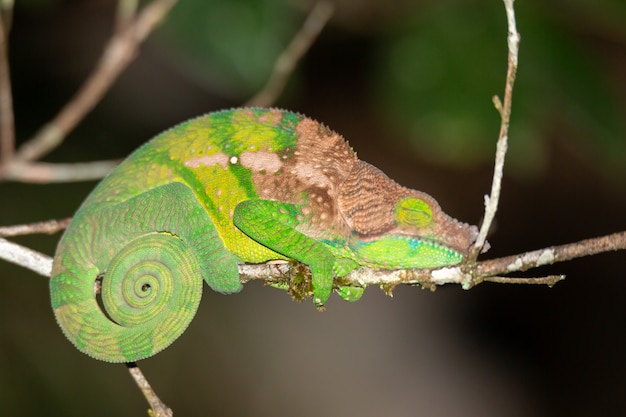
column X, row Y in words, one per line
column 127, row 278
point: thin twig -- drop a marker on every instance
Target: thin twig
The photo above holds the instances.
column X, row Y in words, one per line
column 158, row 408
column 48, row 227
column 286, row 62
column 548, row 280
column 44, row 172
column 551, row 255
column 504, row 108
column 7, row 121
column 118, row 53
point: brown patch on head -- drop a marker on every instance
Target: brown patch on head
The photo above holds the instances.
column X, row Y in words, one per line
column 368, row 199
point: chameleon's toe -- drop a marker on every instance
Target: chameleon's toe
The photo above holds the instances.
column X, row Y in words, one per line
column 350, row 294
column 320, row 295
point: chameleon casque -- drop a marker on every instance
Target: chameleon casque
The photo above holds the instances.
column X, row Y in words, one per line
column 238, row 186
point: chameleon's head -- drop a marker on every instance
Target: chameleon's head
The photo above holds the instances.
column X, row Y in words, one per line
column 397, row 223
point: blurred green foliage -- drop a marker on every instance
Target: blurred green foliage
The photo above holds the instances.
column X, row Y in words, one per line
column 434, row 69
column 230, row 46
column 439, row 67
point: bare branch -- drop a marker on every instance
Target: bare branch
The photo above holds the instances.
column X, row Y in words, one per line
column 44, row 172
column 7, row 121
column 487, row 270
column 504, row 108
column 159, row 409
column 551, row 255
column 118, row 53
column 125, row 14
column 48, row 227
column 286, row 62
column 549, row 280
column 23, row 256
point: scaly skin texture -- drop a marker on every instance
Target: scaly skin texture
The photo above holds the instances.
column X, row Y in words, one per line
column 243, row 185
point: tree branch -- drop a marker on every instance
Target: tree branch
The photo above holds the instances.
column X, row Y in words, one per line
column 47, row 227
column 285, row 272
column 286, row 62
column 23, row 256
column 158, row 408
column 119, row 52
column 45, row 172
column 491, row 201
column 7, row 122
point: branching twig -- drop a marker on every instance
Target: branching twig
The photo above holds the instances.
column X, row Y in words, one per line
column 118, row 53
column 488, row 270
column 286, row 62
column 491, row 201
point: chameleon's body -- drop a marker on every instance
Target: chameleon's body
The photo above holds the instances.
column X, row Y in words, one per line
column 244, row 185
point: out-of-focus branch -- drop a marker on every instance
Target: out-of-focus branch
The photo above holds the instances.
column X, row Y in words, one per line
column 48, row 227
column 286, row 62
column 7, row 122
column 44, row 172
column 119, row 52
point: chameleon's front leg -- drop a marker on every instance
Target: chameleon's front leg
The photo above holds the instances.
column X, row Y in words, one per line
column 273, row 224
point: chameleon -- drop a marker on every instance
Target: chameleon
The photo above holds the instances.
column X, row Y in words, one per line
column 245, row 185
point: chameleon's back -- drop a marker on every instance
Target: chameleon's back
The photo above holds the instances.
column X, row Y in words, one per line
column 199, row 153
column 225, row 158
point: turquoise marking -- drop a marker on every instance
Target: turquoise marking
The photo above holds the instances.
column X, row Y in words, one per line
column 403, row 252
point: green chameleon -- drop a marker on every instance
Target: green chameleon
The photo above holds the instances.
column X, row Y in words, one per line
column 246, row 185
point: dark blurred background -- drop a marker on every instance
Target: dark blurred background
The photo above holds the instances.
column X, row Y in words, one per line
column 409, row 84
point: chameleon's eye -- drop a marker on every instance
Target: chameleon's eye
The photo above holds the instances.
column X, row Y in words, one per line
column 412, row 211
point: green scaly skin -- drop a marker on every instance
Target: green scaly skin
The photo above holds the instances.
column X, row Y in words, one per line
column 242, row 185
